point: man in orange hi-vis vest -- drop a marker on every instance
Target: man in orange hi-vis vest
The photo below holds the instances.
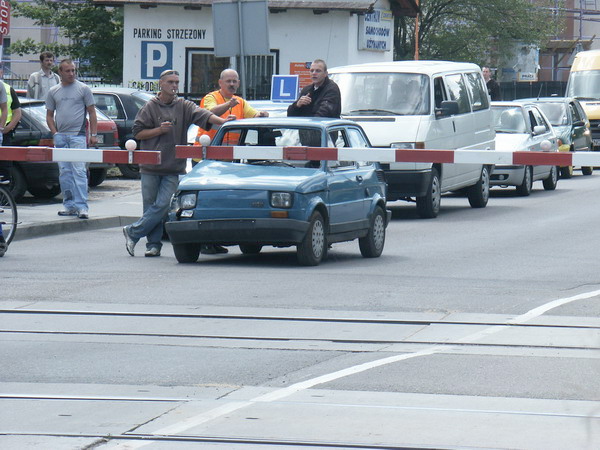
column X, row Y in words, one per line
column 224, row 102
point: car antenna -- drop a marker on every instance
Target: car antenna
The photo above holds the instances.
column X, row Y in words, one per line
column 540, row 91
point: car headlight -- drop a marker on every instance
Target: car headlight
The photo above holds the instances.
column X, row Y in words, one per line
column 281, row 199
column 187, row 201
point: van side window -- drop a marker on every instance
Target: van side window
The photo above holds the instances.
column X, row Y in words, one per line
column 458, row 92
column 477, row 91
column 439, row 92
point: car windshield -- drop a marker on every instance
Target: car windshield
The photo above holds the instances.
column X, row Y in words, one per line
column 584, row 85
column 555, row 112
column 508, row 119
column 140, row 98
column 383, row 94
column 37, row 111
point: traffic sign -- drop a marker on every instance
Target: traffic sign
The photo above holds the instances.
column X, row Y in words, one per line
column 4, row 17
column 284, row 88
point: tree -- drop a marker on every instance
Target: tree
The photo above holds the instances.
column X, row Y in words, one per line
column 95, row 32
column 480, row 31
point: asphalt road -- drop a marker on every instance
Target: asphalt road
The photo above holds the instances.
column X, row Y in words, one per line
column 478, row 329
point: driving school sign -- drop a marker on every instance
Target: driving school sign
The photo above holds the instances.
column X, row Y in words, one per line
column 375, row 31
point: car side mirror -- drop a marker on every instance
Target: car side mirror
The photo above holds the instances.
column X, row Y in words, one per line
column 539, row 129
column 579, row 123
column 447, row 108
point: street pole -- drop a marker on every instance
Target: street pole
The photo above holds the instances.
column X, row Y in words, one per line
column 417, row 34
column 242, row 53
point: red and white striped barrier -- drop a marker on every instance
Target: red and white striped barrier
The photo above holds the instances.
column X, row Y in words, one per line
column 39, row 154
column 391, row 155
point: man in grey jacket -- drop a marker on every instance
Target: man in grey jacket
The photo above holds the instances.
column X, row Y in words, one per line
column 160, row 125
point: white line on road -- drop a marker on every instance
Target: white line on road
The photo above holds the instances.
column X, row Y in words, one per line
column 278, row 394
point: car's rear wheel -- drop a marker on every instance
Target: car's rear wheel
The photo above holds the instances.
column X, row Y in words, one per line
column 552, row 180
column 566, row 172
column 313, row 248
column 371, row 246
column 479, row 193
column 97, row 177
column 186, row 253
column 18, row 183
column 428, row 206
column 129, row 170
column 250, row 249
column 524, row 189
column 587, row 170
column 44, row 191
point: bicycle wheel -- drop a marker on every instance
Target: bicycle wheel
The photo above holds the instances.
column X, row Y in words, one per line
column 8, row 214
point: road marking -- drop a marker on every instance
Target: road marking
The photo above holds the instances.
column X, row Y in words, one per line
column 279, row 394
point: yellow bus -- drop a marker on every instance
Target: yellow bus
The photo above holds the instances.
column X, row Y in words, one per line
column 584, row 85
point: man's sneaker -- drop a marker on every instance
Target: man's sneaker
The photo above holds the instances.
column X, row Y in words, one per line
column 3, row 246
column 212, row 249
column 129, row 243
column 67, row 212
column 153, row 251
column 83, row 214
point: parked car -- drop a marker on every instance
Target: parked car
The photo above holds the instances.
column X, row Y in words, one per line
column 571, row 126
column 523, row 127
column 108, row 139
column 122, row 105
column 255, row 203
column 41, row 178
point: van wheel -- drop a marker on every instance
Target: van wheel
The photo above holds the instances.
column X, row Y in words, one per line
column 552, row 180
column 44, row 191
column 428, row 206
column 250, row 249
column 18, row 183
column 96, row 177
column 524, row 189
column 479, row 193
column 587, row 170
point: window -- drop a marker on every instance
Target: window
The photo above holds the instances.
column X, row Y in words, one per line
column 439, row 92
column 477, row 91
column 108, row 105
column 458, row 92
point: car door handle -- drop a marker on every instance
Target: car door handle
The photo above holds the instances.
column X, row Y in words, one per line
column 359, row 178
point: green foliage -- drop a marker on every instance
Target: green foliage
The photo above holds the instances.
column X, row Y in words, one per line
column 95, row 33
column 480, row 31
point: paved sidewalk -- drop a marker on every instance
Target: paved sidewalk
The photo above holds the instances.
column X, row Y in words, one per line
column 116, row 202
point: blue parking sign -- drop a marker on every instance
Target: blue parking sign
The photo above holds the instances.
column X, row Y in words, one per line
column 284, row 88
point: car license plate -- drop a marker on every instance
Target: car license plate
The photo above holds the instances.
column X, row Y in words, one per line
column 100, row 139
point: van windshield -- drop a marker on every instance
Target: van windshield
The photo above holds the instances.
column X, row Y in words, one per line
column 584, row 85
column 383, row 94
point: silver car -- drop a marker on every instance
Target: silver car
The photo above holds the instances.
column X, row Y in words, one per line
column 523, row 127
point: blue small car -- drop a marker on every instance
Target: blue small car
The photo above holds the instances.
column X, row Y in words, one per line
column 282, row 203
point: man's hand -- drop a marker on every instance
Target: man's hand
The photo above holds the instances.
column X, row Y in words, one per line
column 262, row 114
column 230, row 117
column 233, row 102
column 165, row 127
column 304, row 100
column 93, row 141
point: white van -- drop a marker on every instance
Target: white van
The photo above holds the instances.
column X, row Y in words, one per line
column 423, row 105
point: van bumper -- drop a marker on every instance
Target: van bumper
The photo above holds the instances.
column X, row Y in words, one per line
column 407, row 183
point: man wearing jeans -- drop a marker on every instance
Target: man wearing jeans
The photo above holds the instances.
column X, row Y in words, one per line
column 160, row 125
column 66, row 106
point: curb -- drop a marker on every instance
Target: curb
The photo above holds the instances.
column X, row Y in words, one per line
column 35, row 230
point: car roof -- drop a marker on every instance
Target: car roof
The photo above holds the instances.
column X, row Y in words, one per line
column 549, row 99
column 318, row 122
column 30, row 101
column 424, row 67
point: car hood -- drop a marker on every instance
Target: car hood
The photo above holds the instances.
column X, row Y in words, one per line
column 513, row 142
column 212, row 175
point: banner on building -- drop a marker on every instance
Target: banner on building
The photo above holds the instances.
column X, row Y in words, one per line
column 376, row 31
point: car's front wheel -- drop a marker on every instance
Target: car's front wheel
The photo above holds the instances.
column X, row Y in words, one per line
column 524, row 189
column 587, row 170
column 552, row 180
column 96, row 177
column 479, row 193
column 44, row 191
column 371, row 246
column 313, row 248
column 186, row 253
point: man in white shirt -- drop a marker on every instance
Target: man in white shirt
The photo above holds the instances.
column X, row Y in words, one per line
column 40, row 82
